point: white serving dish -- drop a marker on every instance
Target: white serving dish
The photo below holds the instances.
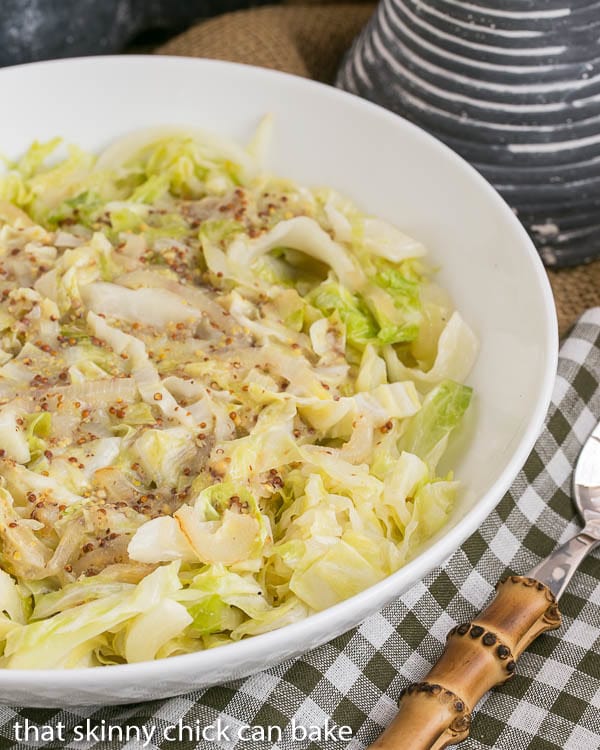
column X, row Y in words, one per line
column 390, row 168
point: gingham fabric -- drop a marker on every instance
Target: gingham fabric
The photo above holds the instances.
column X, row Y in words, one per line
column 552, row 703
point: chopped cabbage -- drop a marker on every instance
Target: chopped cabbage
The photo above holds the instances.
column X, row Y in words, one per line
column 427, row 432
column 223, row 399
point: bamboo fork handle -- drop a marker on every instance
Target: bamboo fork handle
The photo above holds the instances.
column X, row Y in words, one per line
column 436, row 713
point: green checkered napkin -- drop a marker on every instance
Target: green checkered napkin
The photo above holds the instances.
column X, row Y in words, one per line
column 552, row 703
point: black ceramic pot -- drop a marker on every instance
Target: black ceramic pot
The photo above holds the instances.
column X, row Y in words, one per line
column 513, row 86
column 45, row 29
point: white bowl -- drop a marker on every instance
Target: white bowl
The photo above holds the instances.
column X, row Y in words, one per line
column 390, row 168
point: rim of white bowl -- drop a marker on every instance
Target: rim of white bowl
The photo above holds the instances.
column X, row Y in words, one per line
column 402, row 579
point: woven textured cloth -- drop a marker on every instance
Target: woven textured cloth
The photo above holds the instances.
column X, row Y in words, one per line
column 310, row 41
column 552, row 702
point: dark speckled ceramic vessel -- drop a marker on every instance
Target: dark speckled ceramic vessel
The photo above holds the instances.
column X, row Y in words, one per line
column 44, row 29
column 511, row 85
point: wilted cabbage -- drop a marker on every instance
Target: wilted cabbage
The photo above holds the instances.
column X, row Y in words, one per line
column 223, row 399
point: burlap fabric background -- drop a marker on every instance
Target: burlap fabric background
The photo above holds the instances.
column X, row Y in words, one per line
column 310, row 40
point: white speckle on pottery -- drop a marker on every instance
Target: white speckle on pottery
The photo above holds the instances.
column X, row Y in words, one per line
column 549, row 229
